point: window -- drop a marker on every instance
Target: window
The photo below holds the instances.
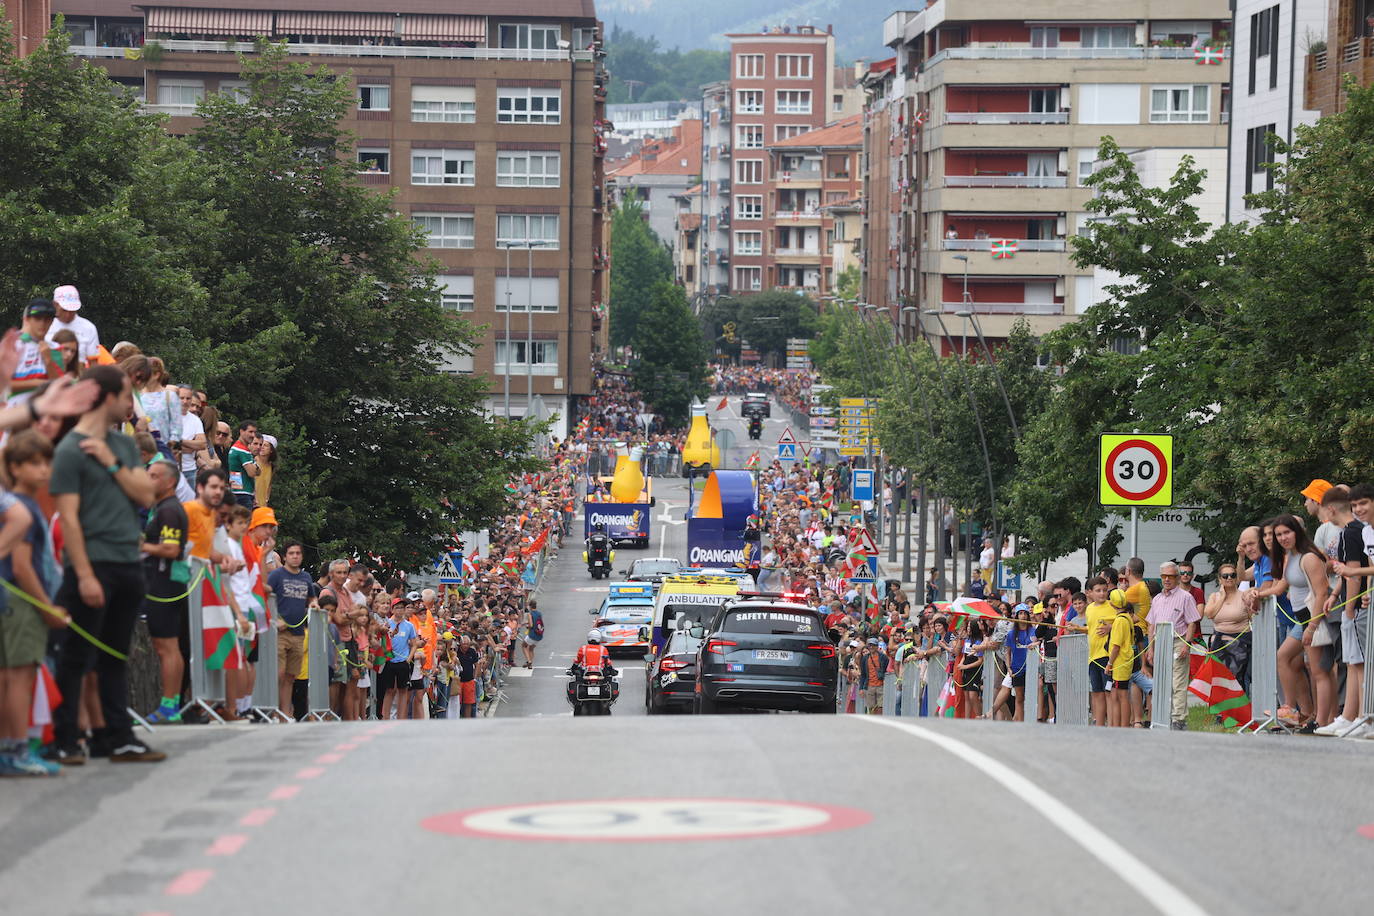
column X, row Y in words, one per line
column 186, row 93
column 1044, row 100
column 749, row 206
column 446, row 231
column 374, row 98
column 836, row 165
column 455, row 293
column 528, row 37
column 542, row 291
column 1044, row 37
column 793, row 101
column 749, row 66
column 837, row 103
column 235, row 89
column 1258, row 151
column 1264, row 42
column 748, row 243
column 1087, row 160
column 794, row 66
column 749, row 171
column 454, row 104
column 443, row 166
column 749, row 101
column 787, row 131
column 748, row 279
column 527, row 170
column 528, row 106
column 1172, row 104
column 541, row 358
column 1108, row 103
column 749, row 136
column 1108, row 36
column 520, row 229
column 374, row 160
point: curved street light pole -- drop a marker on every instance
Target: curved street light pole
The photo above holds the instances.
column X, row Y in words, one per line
column 972, row 317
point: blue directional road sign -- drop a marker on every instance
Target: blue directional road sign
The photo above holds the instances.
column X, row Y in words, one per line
column 862, row 484
column 787, row 451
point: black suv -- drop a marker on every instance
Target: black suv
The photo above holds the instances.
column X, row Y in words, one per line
column 766, row 654
column 756, row 404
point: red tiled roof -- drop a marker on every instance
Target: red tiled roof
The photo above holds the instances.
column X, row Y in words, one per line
column 666, row 157
column 848, row 132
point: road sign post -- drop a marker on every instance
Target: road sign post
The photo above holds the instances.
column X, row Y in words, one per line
column 1135, row 470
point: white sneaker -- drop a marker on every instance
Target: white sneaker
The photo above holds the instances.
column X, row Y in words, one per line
column 1359, row 730
column 1337, row 726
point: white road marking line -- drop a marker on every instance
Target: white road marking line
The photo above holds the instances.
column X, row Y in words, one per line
column 519, row 672
column 1151, row 885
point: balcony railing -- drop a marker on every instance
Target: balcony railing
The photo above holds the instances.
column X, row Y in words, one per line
column 314, row 50
column 1005, row 308
column 1026, row 53
column 796, row 214
column 1006, row 117
column 787, row 175
column 1006, row 181
column 796, row 252
column 176, row 111
column 986, row 244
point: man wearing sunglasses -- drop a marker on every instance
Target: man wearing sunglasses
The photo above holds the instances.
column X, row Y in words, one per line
column 1185, row 581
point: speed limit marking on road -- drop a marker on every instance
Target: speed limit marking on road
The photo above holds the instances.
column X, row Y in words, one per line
column 1136, row 470
column 648, row 820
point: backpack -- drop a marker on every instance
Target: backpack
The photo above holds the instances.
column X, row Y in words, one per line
column 537, row 625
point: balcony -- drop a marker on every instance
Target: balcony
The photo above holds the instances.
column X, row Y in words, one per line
column 797, row 216
column 1064, row 53
column 1006, row 117
column 797, row 254
column 176, row 111
column 1006, row 181
column 797, row 177
column 1005, row 308
column 314, row 50
column 986, row 244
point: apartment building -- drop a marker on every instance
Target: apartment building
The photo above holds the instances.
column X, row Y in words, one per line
column 29, row 21
column 1269, row 96
column 660, row 170
column 1343, row 46
column 705, row 270
column 485, row 117
column 809, row 174
column 782, row 83
column 996, row 111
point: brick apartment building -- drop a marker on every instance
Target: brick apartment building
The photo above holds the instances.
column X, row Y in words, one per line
column 484, row 116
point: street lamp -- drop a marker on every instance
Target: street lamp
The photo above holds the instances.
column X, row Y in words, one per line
column 967, row 303
column 996, row 374
column 506, row 372
column 530, row 245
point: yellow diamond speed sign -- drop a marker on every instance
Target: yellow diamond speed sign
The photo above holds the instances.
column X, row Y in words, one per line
column 1135, row 470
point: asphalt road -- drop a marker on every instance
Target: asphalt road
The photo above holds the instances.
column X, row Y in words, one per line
column 533, row 810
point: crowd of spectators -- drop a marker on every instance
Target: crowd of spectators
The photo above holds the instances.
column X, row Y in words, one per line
column 791, row 387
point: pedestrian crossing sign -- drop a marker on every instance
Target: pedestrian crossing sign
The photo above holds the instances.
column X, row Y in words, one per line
column 787, row 451
column 447, row 571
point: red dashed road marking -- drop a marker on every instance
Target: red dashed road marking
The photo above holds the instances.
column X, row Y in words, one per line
column 309, row 772
column 346, row 746
column 283, row 793
column 227, row 845
column 329, row 758
column 189, row 882
column 1366, row 830
column 257, row 817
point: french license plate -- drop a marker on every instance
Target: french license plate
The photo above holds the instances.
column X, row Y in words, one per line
column 772, row 655
column 593, row 691
column 667, row 679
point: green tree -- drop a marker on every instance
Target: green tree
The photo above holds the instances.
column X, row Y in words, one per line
column 643, row 72
column 719, row 318
column 669, row 368
column 639, row 262
column 768, row 319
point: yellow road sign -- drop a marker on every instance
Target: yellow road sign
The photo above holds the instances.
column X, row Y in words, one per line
column 1135, row 470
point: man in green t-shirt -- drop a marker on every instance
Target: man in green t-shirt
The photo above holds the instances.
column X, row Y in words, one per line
column 243, row 464
column 98, row 484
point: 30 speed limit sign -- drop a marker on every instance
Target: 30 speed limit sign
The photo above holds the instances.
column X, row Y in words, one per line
column 1136, row 470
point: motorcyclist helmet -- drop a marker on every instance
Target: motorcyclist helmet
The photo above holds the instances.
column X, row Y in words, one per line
column 594, row 636
column 598, row 528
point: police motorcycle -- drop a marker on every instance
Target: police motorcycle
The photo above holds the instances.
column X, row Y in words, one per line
column 593, row 691
column 598, row 556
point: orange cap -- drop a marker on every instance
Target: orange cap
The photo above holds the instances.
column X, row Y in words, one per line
column 263, row 515
column 1316, row 489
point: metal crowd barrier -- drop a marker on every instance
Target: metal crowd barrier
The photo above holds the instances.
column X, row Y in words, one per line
column 265, row 688
column 1264, row 668
column 992, row 680
column 1031, row 704
column 911, row 688
column 936, row 677
column 890, row 694
column 207, row 687
column 1071, row 696
column 318, row 645
column 1367, row 701
column 1162, row 702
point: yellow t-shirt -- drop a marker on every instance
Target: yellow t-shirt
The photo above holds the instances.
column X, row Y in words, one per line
column 1123, row 635
column 1098, row 614
column 1138, row 596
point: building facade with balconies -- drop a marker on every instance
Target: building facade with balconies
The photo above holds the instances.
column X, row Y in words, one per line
column 1343, row 47
column 484, row 117
column 999, row 109
column 782, row 83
